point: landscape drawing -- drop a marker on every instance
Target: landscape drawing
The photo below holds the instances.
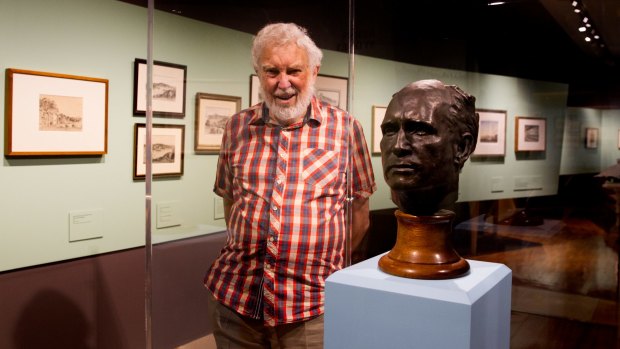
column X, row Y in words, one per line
column 60, row 113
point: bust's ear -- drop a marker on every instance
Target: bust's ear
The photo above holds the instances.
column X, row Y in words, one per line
column 464, row 149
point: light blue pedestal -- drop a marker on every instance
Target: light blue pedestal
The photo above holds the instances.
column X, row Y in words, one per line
column 367, row 308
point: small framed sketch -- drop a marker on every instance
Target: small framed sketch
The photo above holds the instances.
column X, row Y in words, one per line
column 212, row 112
column 49, row 114
column 378, row 113
column 256, row 95
column 168, row 88
column 530, row 134
column 591, row 138
column 329, row 89
column 333, row 90
column 491, row 133
column 167, row 142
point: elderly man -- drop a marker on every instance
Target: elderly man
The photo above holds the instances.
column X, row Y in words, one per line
column 429, row 131
column 283, row 172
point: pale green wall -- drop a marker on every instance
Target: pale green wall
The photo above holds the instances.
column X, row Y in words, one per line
column 576, row 158
column 100, row 38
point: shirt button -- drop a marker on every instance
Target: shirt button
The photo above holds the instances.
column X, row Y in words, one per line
column 275, row 208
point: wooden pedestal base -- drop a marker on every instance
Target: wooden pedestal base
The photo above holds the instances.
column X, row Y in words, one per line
column 423, row 249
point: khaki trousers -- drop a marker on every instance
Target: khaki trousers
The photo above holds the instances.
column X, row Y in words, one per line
column 234, row 331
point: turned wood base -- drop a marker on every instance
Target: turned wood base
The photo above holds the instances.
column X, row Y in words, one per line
column 423, row 249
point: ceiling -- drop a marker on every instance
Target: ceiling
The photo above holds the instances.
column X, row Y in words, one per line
column 533, row 39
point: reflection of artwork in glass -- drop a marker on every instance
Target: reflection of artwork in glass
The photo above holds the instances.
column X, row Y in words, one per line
column 329, row 96
column 489, row 131
column 163, row 149
column 60, row 113
column 164, row 91
column 532, row 133
column 215, row 120
column 591, row 138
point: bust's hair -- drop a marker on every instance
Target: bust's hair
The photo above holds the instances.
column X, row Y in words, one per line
column 281, row 34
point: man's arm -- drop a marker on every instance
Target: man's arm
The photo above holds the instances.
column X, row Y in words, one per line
column 360, row 220
column 227, row 206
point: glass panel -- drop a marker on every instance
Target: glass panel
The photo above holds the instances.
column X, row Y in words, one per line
column 530, row 196
column 212, row 43
column 72, row 219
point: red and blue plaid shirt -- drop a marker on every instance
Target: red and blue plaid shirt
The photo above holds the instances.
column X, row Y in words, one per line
column 286, row 231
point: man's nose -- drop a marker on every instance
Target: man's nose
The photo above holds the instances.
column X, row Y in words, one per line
column 284, row 82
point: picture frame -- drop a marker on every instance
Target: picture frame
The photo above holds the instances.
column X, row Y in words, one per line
column 530, row 134
column 378, row 113
column 169, row 89
column 591, row 139
column 168, row 142
column 619, row 138
column 212, row 113
column 329, row 88
column 51, row 114
column 491, row 133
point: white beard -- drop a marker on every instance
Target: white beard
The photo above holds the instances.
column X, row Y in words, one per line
column 285, row 115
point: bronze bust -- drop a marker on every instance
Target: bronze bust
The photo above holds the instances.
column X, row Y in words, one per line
column 429, row 130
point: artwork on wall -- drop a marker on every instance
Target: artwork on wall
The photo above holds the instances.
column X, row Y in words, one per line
column 167, row 150
column 591, row 138
column 168, row 88
column 530, row 134
column 491, row 133
column 49, row 114
column 212, row 112
column 378, row 113
column 329, row 89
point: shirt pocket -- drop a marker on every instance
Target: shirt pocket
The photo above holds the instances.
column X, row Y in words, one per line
column 320, row 167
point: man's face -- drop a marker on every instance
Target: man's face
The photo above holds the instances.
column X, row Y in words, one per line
column 286, row 80
column 419, row 145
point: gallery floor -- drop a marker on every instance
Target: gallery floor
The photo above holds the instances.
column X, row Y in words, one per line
column 565, row 278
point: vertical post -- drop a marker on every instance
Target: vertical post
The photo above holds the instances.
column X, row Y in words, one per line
column 148, row 290
column 349, row 200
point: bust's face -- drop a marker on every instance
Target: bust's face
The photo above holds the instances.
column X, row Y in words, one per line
column 419, row 143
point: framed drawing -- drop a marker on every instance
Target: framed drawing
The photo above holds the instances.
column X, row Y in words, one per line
column 530, row 134
column 333, row 90
column 255, row 91
column 378, row 113
column 49, row 114
column 168, row 89
column 491, row 133
column 618, row 138
column 212, row 112
column 330, row 89
column 166, row 154
column 591, row 138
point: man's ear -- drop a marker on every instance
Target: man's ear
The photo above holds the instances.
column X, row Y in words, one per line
column 315, row 72
column 464, row 148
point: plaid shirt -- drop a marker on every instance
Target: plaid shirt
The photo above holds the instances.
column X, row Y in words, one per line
column 286, row 229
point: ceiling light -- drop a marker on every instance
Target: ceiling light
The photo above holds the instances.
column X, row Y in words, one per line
column 588, row 39
column 597, row 37
column 585, row 19
column 495, row 3
column 588, row 25
column 577, row 10
column 575, row 3
column 582, row 29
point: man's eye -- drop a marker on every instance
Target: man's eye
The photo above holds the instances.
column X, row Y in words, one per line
column 272, row 72
column 294, row 72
